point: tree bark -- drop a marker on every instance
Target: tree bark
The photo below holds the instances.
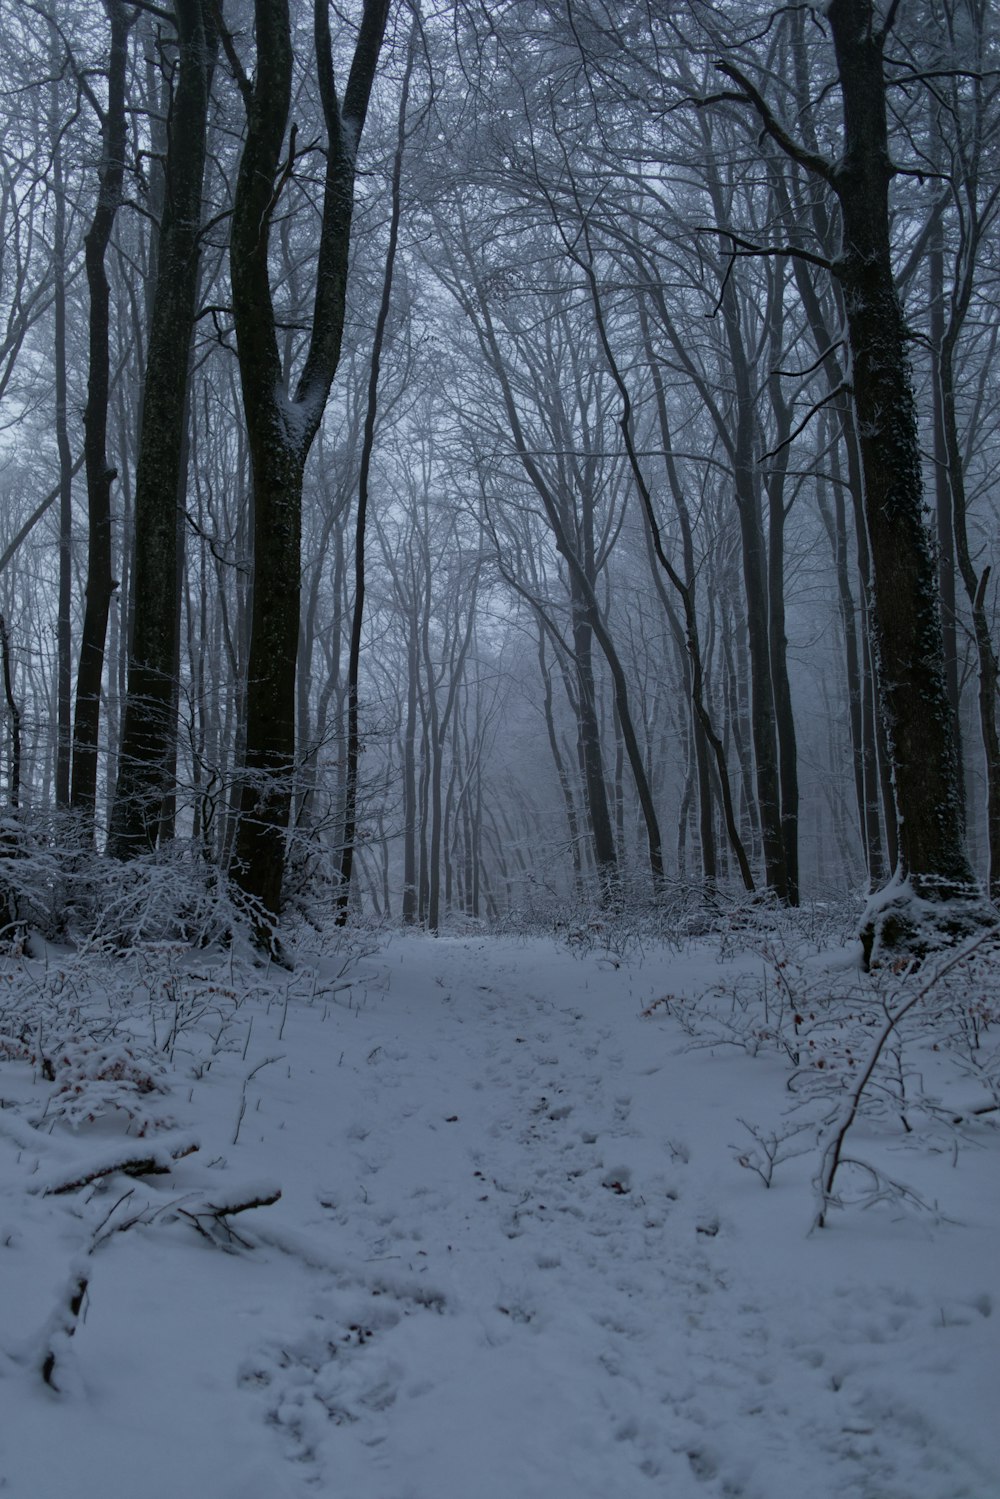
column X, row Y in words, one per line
column 100, row 474
column 937, row 896
column 350, row 827
column 910, row 652
column 150, row 716
column 281, row 426
column 64, row 637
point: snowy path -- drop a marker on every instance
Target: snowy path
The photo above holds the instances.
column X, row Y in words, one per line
column 514, row 1259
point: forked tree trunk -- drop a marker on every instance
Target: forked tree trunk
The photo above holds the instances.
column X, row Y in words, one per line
column 282, row 424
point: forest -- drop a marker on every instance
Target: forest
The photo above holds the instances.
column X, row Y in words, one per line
column 499, row 761
column 493, row 459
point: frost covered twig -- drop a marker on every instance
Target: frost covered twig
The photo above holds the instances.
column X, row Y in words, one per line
column 833, row 1153
column 243, row 1094
column 771, row 1149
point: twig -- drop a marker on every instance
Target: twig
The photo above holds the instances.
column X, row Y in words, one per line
column 833, row 1152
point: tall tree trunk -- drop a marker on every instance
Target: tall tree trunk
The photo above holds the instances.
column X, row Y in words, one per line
column 774, row 486
column 953, row 539
column 410, row 912
column 350, row 827
column 755, row 583
column 591, row 757
column 100, row 475
column 562, row 775
column 64, row 641
column 975, row 586
column 14, row 785
column 919, row 719
column 477, row 308
column 942, row 481
column 937, row 892
column 150, row 718
column 440, row 718
column 281, row 425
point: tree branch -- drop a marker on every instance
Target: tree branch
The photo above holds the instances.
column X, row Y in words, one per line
column 842, row 389
column 812, row 162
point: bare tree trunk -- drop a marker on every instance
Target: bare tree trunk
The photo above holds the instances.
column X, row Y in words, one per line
column 149, row 728
column 562, row 775
column 64, row 642
column 920, row 722
column 938, row 892
column 975, row 587
column 591, row 757
column 410, row 913
column 14, row 795
column 774, row 485
column 350, row 827
column 100, row 474
column 583, row 593
column 281, row 426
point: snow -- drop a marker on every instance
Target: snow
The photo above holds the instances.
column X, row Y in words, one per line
column 514, row 1254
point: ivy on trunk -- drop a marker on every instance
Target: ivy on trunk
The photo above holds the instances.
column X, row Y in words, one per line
column 933, row 867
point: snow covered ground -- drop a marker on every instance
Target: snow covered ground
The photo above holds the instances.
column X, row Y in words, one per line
column 515, row 1255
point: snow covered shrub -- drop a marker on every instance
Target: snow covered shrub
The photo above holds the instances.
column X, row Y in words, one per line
column 167, row 895
column 678, row 913
column 32, row 877
column 756, row 922
column 53, row 883
column 63, row 1022
column 915, row 1054
column 629, row 918
column 95, row 1080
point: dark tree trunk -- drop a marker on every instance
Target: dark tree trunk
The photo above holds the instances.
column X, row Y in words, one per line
column 705, row 735
column 410, row 913
column 942, row 387
column 350, row 828
column 100, row 475
column 762, row 718
column 150, row 717
column 15, row 718
column 562, row 775
column 784, row 718
column 953, row 539
column 834, row 521
column 591, row 757
column 975, row 586
column 918, row 715
column 937, row 892
column 281, row 426
column 64, row 640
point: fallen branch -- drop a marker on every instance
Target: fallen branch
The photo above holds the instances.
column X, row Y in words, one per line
column 157, row 1161
column 209, row 1217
